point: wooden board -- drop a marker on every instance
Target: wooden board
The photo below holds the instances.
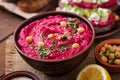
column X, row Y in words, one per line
column 8, row 23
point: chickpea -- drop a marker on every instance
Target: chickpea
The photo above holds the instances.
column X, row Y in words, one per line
column 111, row 61
column 104, row 59
column 29, row 39
column 118, row 49
column 55, row 34
column 107, row 54
column 40, row 43
column 107, row 46
column 111, row 56
column 101, row 53
column 103, row 49
column 117, row 54
column 50, row 36
column 117, row 18
column 75, row 45
column 80, row 30
column 63, row 24
column 119, row 46
column 117, row 61
column 114, row 47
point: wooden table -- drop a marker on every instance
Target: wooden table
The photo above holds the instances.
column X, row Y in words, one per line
column 2, row 57
column 8, row 22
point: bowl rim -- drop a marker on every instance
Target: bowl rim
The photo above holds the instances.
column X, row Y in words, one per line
column 20, row 74
column 34, row 18
column 108, row 41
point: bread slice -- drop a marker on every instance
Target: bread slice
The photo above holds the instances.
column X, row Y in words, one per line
column 112, row 8
column 99, row 29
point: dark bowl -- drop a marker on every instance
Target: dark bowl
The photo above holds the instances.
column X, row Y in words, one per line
column 108, row 66
column 55, row 67
column 18, row 74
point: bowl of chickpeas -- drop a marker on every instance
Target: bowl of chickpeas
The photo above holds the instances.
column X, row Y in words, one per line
column 107, row 54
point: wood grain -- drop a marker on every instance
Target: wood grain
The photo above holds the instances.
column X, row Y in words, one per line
column 8, row 23
column 2, row 58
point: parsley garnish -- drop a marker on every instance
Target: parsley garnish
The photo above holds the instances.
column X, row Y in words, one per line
column 104, row 53
column 112, row 61
column 110, row 51
column 54, row 42
column 62, row 48
column 43, row 36
column 64, row 38
column 72, row 24
column 43, row 51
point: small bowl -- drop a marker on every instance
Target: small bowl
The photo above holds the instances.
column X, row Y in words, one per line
column 18, row 74
column 108, row 66
column 55, row 67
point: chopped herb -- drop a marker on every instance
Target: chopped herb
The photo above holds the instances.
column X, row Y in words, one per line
column 104, row 53
column 53, row 42
column 77, row 19
column 112, row 61
column 69, row 21
column 52, row 48
column 86, row 13
column 43, row 51
column 64, row 38
column 62, row 48
column 100, row 12
column 73, row 25
column 43, row 36
column 110, row 51
column 76, row 8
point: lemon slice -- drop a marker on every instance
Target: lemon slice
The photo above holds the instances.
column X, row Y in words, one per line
column 93, row 72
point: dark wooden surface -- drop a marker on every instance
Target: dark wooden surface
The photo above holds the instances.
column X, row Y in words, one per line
column 8, row 23
column 2, row 58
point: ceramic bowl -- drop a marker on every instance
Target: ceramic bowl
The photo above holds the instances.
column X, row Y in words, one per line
column 20, row 74
column 108, row 66
column 55, row 67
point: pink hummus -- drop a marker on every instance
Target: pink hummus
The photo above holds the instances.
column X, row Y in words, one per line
column 110, row 20
column 92, row 5
column 59, row 46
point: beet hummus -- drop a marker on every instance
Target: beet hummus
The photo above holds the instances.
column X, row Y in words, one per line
column 54, row 37
column 83, row 4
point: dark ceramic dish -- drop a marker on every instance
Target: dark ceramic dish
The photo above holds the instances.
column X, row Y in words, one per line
column 55, row 67
column 20, row 74
column 109, row 67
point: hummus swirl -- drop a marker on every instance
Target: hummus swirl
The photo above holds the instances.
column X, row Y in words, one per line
column 54, row 37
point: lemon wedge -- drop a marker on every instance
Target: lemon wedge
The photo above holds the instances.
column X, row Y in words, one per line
column 93, row 72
